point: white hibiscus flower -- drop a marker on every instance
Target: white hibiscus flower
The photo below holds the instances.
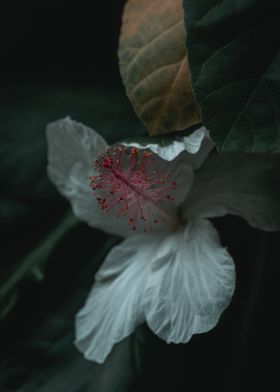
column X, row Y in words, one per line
column 170, row 270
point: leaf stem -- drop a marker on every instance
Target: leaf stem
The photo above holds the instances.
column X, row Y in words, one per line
column 35, row 260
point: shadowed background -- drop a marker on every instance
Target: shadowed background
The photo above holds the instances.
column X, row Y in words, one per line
column 59, row 59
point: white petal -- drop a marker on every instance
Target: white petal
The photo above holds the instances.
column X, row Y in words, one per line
column 114, row 306
column 191, row 283
column 180, row 173
column 71, row 149
column 196, row 147
column 247, row 185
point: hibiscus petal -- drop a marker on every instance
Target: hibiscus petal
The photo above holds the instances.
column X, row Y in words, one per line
column 195, row 146
column 191, row 282
column 71, row 149
column 114, row 307
column 180, row 173
column 247, row 185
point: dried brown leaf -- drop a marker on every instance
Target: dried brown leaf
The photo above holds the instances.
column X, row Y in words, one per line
column 153, row 65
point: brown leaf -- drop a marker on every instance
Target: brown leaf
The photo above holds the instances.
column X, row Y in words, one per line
column 153, row 65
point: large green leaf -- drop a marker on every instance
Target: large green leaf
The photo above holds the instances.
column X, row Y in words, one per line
column 234, row 57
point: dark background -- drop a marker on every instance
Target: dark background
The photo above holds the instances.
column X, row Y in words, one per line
column 59, row 41
column 59, row 59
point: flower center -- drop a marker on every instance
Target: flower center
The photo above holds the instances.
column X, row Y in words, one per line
column 128, row 183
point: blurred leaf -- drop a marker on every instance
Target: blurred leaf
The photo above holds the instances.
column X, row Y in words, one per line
column 24, row 113
column 154, row 67
column 233, row 52
column 7, row 304
column 11, row 210
column 33, row 263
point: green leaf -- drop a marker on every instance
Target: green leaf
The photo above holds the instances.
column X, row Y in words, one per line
column 234, row 57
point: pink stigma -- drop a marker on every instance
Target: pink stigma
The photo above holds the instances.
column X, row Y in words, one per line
column 128, row 184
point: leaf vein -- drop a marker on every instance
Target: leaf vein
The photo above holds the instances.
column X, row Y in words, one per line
column 148, row 44
column 151, row 74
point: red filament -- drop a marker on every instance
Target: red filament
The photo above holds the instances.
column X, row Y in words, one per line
column 128, row 183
